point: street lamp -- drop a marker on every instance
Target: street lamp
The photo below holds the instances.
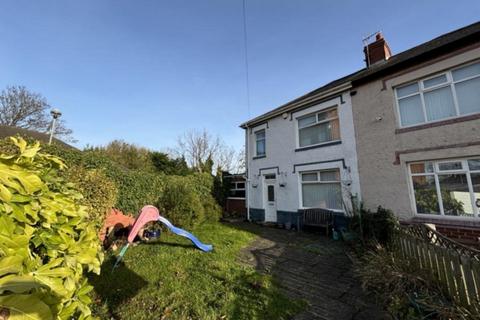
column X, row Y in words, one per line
column 55, row 115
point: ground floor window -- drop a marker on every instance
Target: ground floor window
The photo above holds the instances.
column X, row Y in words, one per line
column 447, row 187
column 237, row 189
column 321, row 189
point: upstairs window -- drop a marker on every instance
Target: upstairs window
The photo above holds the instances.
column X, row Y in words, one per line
column 318, row 128
column 260, row 149
column 451, row 94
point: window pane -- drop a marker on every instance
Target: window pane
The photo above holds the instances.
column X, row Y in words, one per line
column 327, row 115
column 476, row 184
column 240, row 185
column 271, row 193
column 270, row 176
column 406, row 90
column 411, row 111
column 420, row 167
column 435, row 81
column 474, row 164
column 306, row 121
column 319, row 133
column 468, row 96
column 426, row 199
column 439, row 104
column 455, row 194
column 324, row 195
column 333, row 175
column 237, row 193
column 457, row 165
column 309, row 177
column 260, row 135
column 260, row 147
column 465, row 72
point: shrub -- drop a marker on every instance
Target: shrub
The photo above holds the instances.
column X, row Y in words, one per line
column 46, row 241
column 181, row 203
column 136, row 188
column 378, row 226
column 188, row 200
column 99, row 192
column 412, row 294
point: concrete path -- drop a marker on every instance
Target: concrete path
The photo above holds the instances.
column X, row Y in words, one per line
column 313, row 268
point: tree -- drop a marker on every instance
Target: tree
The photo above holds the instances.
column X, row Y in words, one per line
column 22, row 108
column 163, row 163
column 205, row 152
column 128, row 155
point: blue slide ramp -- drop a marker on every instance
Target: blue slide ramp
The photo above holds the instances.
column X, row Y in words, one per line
column 188, row 235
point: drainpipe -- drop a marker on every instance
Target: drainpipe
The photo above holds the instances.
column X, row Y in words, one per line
column 248, row 174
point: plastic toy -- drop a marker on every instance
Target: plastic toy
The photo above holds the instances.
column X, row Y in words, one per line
column 150, row 214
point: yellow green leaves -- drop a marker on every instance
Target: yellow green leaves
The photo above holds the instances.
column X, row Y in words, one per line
column 12, row 264
column 25, row 307
column 46, row 244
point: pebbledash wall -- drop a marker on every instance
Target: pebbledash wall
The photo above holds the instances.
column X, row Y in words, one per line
column 286, row 160
column 385, row 150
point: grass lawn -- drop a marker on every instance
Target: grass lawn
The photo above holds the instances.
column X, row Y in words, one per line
column 170, row 279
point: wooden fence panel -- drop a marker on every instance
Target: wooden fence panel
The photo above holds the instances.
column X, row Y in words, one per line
column 456, row 268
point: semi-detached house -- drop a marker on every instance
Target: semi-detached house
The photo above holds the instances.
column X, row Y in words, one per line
column 403, row 133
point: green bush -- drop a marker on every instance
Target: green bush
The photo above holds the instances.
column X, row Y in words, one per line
column 136, row 188
column 99, row 192
column 46, row 241
column 377, row 225
column 180, row 202
column 188, row 200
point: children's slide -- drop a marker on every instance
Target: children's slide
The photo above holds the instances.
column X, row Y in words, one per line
column 186, row 234
column 150, row 214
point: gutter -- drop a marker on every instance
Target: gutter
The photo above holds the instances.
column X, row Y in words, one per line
column 297, row 103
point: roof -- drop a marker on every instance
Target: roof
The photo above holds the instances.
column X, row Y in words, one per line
column 423, row 52
column 8, row 131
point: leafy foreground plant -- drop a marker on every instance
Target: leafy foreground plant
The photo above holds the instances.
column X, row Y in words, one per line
column 46, row 243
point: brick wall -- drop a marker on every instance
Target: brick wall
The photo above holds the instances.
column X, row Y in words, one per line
column 466, row 232
column 461, row 234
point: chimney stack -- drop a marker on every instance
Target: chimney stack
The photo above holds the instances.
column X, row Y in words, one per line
column 376, row 51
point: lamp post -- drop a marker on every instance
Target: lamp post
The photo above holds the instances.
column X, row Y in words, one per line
column 55, row 115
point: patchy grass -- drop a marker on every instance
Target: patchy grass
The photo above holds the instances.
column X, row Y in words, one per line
column 170, row 279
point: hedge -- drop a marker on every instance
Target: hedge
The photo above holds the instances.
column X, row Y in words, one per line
column 186, row 200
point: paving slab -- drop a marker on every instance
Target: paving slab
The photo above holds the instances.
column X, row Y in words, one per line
column 313, row 268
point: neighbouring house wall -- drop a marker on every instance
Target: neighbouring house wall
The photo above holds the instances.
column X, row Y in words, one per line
column 282, row 159
column 379, row 145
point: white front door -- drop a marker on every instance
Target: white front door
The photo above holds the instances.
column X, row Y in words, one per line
column 270, row 201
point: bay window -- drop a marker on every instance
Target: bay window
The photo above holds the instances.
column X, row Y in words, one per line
column 448, row 187
column 451, row 94
column 318, row 128
column 321, row 189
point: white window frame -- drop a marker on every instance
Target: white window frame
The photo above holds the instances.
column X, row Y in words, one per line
column 236, row 188
column 316, row 113
column 265, row 142
column 421, row 90
column 319, row 181
column 436, row 172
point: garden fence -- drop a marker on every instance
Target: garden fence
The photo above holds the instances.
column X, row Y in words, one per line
column 454, row 266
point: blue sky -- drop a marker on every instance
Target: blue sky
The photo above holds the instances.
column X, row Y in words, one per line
column 147, row 71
